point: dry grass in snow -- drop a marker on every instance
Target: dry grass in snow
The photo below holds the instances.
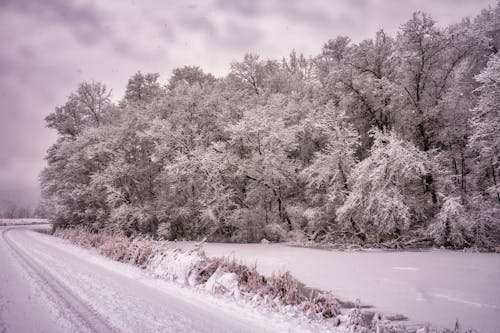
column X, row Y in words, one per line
column 280, row 292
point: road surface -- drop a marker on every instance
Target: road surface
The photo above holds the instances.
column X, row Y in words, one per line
column 48, row 285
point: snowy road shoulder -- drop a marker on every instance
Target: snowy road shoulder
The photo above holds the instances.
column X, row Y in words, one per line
column 125, row 297
column 425, row 286
column 26, row 221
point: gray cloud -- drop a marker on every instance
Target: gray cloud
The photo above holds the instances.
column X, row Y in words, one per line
column 240, row 36
column 198, row 23
column 84, row 20
column 242, row 7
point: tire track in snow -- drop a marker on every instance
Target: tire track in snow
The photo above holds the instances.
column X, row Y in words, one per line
column 87, row 317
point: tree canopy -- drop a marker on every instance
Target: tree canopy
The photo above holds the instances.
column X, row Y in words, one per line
column 390, row 140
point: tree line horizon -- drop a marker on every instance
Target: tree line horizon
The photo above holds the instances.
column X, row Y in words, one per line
column 393, row 140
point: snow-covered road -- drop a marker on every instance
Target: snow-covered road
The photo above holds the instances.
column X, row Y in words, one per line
column 436, row 286
column 48, row 285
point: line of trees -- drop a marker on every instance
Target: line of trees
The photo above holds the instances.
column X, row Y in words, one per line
column 393, row 139
column 11, row 210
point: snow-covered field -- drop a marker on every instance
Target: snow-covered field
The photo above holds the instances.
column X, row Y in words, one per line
column 4, row 222
column 59, row 287
column 436, row 286
column 49, row 285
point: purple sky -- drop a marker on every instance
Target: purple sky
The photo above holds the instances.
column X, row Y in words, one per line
column 49, row 46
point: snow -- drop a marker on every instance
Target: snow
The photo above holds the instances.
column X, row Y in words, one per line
column 175, row 266
column 5, row 222
column 88, row 291
column 222, row 281
column 405, row 268
column 435, row 286
column 22, row 298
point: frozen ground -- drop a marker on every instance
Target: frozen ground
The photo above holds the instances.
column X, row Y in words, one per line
column 4, row 222
column 436, row 286
column 49, row 285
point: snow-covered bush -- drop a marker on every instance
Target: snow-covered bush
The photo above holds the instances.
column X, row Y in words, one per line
column 274, row 232
column 458, row 226
column 451, row 227
column 485, row 223
column 176, row 265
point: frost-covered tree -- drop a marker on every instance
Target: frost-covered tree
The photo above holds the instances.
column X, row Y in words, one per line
column 253, row 72
column 87, row 106
column 262, row 140
column 66, row 182
column 451, row 226
column 428, row 57
column 386, row 199
column 190, row 75
column 327, row 177
column 359, row 79
column 338, row 147
column 143, row 88
column 485, row 138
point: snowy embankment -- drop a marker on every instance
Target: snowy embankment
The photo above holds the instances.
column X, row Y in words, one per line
column 187, row 264
column 278, row 293
column 436, row 286
column 28, row 221
column 50, row 285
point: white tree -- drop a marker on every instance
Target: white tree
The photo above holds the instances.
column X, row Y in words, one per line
column 328, row 175
column 87, row 107
column 451, row 226
column 263, row 142
column 143, row 89
column 485, row 138
column 386, row 198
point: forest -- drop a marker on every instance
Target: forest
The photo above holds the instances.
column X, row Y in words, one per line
column 393, row 141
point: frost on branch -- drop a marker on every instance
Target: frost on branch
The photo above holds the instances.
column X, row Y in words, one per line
column 282, row 150
column 387, row 198
column 451, row 227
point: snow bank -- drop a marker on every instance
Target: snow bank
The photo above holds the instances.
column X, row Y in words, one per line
column 223, row 282
column 176, row 265
column 280, row 292
column 6, row 222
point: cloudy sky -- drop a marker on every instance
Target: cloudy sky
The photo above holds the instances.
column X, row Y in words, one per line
column 49, row 46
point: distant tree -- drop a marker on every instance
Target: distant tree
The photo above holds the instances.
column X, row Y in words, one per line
column 14, row 211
